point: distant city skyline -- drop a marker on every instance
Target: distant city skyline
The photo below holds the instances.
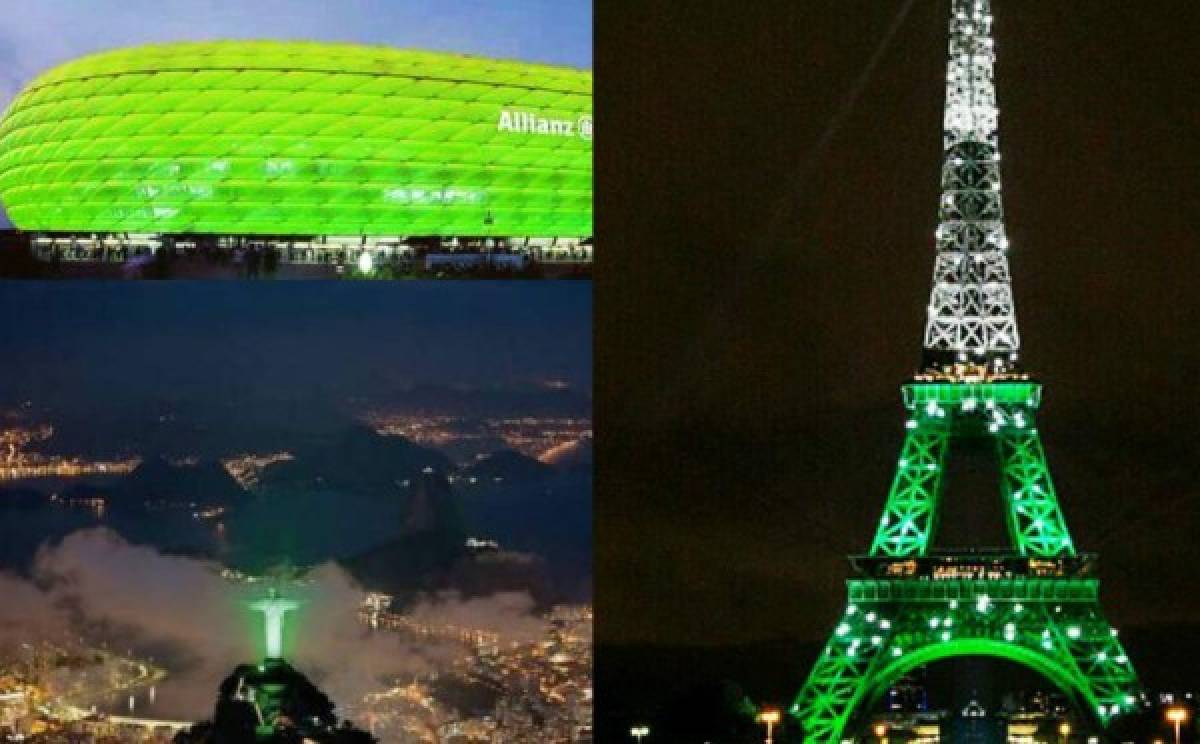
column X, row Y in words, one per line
column 35, row 36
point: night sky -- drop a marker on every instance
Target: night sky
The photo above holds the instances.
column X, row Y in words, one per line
column 767, row 245
column 100, row 344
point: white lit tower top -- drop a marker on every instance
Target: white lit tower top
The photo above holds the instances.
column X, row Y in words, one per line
column 971, row 323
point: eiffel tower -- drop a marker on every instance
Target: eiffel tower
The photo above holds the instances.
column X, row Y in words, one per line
column 1034, row 603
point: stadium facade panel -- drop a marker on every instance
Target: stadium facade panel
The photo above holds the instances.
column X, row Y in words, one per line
column 300, row 138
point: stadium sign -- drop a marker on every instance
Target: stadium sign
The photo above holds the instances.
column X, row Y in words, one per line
column 524, row 122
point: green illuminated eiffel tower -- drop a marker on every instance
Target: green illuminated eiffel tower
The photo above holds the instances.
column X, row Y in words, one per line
column 1035, row 603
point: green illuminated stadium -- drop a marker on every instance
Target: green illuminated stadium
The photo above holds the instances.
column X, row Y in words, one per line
column 299, row 138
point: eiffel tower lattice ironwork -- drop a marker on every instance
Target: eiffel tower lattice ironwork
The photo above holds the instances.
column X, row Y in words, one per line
column 1035, row 603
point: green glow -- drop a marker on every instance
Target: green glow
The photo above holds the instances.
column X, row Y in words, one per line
column 1051, row 623
column 909, row 517
column 941, row 412
column 1019, row 392
column 299, row 138
column 273, row 607
column 1053, row 626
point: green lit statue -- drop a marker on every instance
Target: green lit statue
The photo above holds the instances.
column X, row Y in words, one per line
column 274, row 607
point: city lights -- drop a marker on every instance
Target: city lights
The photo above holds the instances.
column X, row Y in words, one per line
column 541, row 437
column 544, row 683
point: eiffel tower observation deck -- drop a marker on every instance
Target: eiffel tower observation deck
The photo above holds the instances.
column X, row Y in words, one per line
column 1034, row 602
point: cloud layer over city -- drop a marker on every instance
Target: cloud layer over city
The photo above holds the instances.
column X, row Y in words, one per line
column 196, row 623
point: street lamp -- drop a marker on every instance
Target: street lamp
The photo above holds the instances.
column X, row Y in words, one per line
column 1177, row 714
column 1064, row 729
column 881, row 732
column 638, row 732
column 769, row 717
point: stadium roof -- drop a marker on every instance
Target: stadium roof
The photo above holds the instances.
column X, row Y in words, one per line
column 270, row 137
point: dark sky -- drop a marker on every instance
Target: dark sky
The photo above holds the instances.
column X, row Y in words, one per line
column 761, row 296
column 65, row 342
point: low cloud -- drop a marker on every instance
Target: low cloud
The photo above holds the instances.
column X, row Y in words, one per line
column 196, row 623
column 509, row 614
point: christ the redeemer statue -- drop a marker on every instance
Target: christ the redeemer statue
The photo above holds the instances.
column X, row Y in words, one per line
column 274, row 607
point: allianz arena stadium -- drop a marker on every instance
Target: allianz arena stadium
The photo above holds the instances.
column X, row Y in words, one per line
column 321, row 152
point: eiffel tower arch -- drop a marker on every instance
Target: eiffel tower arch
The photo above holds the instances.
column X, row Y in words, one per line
column 1034, row 602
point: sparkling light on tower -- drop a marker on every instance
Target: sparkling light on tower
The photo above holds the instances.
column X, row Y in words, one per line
column 274, row 607
column 971, row 316
column 1035, row 603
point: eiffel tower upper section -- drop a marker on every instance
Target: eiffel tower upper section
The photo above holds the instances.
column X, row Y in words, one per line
column 971, row 320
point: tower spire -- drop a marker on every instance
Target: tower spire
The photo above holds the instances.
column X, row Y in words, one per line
column 1035, row 602
column 971, row 319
